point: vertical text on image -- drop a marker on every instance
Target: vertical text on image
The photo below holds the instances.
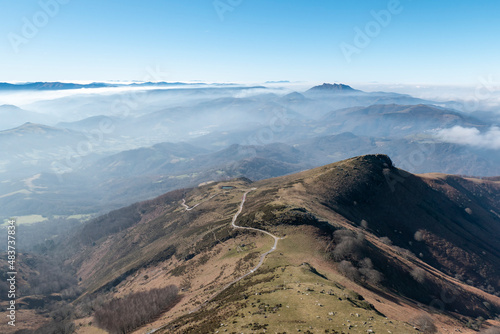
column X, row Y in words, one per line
column 11, row 272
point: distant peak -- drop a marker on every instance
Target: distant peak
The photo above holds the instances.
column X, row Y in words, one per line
column 9, row 107
column 294, row 96
column 34, row 126
column 333, row 87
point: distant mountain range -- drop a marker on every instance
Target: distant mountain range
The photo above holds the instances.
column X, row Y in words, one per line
column 65, row 86
column 182, row 137
column 354, row 241
column 360, row 244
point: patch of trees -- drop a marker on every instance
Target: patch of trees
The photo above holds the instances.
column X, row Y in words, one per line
column 51, row 285
column 363, row 273
column 42, row 276
column 61, row 322
column 349, row 245
column 89, row 303
column 123, row 315
column 49, row 276
column 364, row 263
column 57, row 327
column 349, row 252
column 110, row 223
column 40, row 237
column 347, row 269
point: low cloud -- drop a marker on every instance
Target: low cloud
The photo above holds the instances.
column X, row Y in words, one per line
column 485, row 96
column 25, row 98
column 471, row 136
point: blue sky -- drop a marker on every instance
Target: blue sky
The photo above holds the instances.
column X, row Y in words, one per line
column 423, row 41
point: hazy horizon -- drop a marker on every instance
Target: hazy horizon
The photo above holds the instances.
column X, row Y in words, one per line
column 240, row 166
column 393, row 41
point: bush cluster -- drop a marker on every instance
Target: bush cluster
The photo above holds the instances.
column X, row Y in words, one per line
column 122, row 315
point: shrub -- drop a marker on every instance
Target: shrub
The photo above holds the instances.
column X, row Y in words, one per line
column 425, row 324
column 61, row 323
column 364, row 224
column 349, row 245
column 49, row 276
column 348, row 270
column 418, row 275
column 370, row 275
column 57, row 327
column 123, row 315
column 386, row 240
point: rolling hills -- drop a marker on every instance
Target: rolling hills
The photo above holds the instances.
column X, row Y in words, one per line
column 91, row 153
column 366, row 247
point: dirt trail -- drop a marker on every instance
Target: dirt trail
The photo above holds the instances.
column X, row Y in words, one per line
column 262, row 257
column 194, row 206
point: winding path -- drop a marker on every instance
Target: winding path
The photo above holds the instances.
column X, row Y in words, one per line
column 194, row 206
column 262, row 257
column 261, row 260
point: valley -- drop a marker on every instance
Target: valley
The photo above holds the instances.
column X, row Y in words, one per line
column 105, row 161
column 250, row 167
column 329, row 249
column 259, row 219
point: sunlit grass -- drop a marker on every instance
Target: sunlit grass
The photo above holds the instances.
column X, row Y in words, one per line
column 30, row 219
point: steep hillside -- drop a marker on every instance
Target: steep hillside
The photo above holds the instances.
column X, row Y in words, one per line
column 356, row 246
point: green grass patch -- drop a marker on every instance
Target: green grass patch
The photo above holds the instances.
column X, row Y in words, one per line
column 30, row 219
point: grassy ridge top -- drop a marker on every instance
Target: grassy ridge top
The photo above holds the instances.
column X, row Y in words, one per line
column 441, row 228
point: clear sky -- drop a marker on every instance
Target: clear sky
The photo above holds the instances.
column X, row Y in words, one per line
column 423, row 41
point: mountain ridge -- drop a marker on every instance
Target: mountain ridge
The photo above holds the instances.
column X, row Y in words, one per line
column 327, row 87
column 318, row 212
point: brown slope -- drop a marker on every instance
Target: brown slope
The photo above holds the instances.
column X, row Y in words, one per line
column 184, row 247
column 397, row 204
column 454, row 241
